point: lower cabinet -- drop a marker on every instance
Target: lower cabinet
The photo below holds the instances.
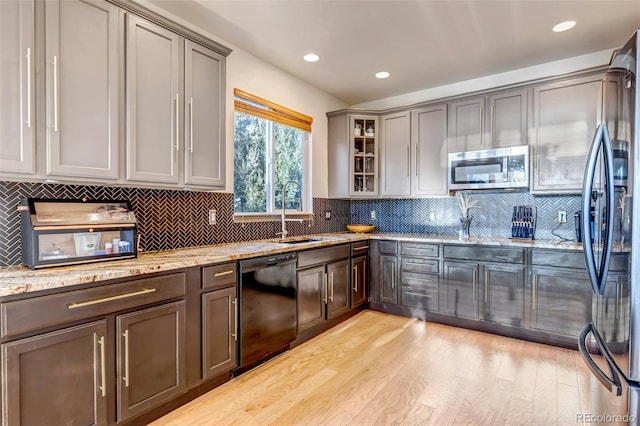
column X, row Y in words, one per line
column 388, row 267
column 503, row 293
column 151, row 358
column 57, row 378
column 219, row 332
column 461, row 289
column 324, row 288
column 419, row 276
column 359, row 275
column 560, row 300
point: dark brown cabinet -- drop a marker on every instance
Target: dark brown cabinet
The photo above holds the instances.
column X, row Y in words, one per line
column 57, row 378
column 461, row 289
column 151, row 357
column 324, row 285
column 219, row 331
column 359, row 281
column 388, row 267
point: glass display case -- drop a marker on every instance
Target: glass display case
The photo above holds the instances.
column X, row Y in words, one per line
column 364, row 150
column 68, row 232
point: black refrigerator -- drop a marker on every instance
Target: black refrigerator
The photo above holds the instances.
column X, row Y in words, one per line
column 610, row 343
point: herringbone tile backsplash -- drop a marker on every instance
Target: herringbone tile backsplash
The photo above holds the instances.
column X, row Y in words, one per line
column 167, row 219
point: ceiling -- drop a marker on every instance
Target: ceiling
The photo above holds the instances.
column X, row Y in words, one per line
column 423, row 44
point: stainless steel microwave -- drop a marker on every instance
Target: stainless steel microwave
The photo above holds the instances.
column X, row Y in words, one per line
column 491, row 168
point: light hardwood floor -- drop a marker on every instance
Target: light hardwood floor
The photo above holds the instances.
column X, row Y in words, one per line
column 379, row 369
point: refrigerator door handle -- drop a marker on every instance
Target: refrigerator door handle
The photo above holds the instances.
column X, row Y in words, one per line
column 612, row 383
column 598, row 273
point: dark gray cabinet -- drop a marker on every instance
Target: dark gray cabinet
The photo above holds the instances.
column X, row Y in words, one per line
column 503, row 293
column 359, row 268
column 389, row 282
column 153, row 102
column 219, row 332
column 420, row 276
column 151, row 358
column 461, row 289
column 57, row 378
column 17, row 86
column 324, row 285
column 83, row 62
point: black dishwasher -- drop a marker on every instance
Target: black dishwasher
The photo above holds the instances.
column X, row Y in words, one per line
column 267, row 308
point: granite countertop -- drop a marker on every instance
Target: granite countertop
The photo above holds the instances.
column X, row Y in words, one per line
column 17, row 280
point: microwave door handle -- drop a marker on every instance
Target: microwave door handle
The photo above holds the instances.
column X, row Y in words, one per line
column 613, row 383
column 609, row 207
column 585, row 225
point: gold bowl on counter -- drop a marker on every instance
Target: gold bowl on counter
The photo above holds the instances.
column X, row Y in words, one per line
column 360, row 228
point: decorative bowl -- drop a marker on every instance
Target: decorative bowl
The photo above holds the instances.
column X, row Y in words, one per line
column 360, row 228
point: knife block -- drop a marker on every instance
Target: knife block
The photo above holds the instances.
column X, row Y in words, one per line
column 523, row 222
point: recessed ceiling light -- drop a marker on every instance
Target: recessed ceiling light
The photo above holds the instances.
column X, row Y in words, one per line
column 311, row 57
column 382, row 74
column 564, row 26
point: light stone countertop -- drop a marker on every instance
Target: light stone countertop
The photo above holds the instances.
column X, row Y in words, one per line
column 16, row 280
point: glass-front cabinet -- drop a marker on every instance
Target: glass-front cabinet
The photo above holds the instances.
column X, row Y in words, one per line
column 363, row 133
column 67, row 232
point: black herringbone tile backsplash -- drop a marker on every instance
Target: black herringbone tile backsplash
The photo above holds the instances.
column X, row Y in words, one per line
column 167, row 219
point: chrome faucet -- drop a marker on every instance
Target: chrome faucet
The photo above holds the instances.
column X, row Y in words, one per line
column 283, row 219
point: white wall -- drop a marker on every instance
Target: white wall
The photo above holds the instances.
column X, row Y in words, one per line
column 253, row 75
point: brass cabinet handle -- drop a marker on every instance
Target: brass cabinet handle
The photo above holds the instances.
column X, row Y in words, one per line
column 126, row 357
column 486, row 284
column 533, row 292
column 220, row 274
column 191, row 124
column 324, row 286
column 109, row 299
column 235, row 319
column 28, row 56
column 55, row 94
column 355, row 281
column 331, row 279
column 103, row 368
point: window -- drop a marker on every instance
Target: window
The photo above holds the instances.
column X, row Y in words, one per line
column 271, row 148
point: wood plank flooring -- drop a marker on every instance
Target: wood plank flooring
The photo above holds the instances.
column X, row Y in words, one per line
column 379, row 369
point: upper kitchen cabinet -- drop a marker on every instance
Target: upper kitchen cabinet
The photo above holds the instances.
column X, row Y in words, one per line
column 395, row 154
column 497, row 120
column 204, row 130
column 17, row 143
column 429, row 140
column 153, row 101
column 352, row 155
column 83, row 60
column 565, row 115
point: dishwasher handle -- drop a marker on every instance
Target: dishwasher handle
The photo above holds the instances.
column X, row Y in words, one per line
column 256, row 263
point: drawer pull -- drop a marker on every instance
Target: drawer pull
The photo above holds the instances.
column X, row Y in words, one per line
column 409, row 293
column 360, row 248
column 220, row 274
column 109, row 299
column 420, row 264
column 126, row 358
column 103, row 370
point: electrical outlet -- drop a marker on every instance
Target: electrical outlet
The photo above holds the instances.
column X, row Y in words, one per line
column 432, row 216
column 373, row 215
column 327, row 215
column 562, row 216
column 212, row 217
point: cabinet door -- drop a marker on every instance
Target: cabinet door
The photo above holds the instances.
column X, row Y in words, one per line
column 150, row 358
column 507, row 119
column 153, row 102
column 219, row 332
column 504, row 294
column 363, row 137
column 388, row 267
column 339, row 285
column 461, row 281
column 204, row 89
column 83, row 88
column 429, row 140
column 565, row 116
column 56, row 378
column 311, row 294
column 466, row 125
column 339, row 156
column 17, row 72
column 395, row 155
column 560, row 301
column 358, row 281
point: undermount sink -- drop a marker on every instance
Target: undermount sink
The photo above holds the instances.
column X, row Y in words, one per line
column 298, row 240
